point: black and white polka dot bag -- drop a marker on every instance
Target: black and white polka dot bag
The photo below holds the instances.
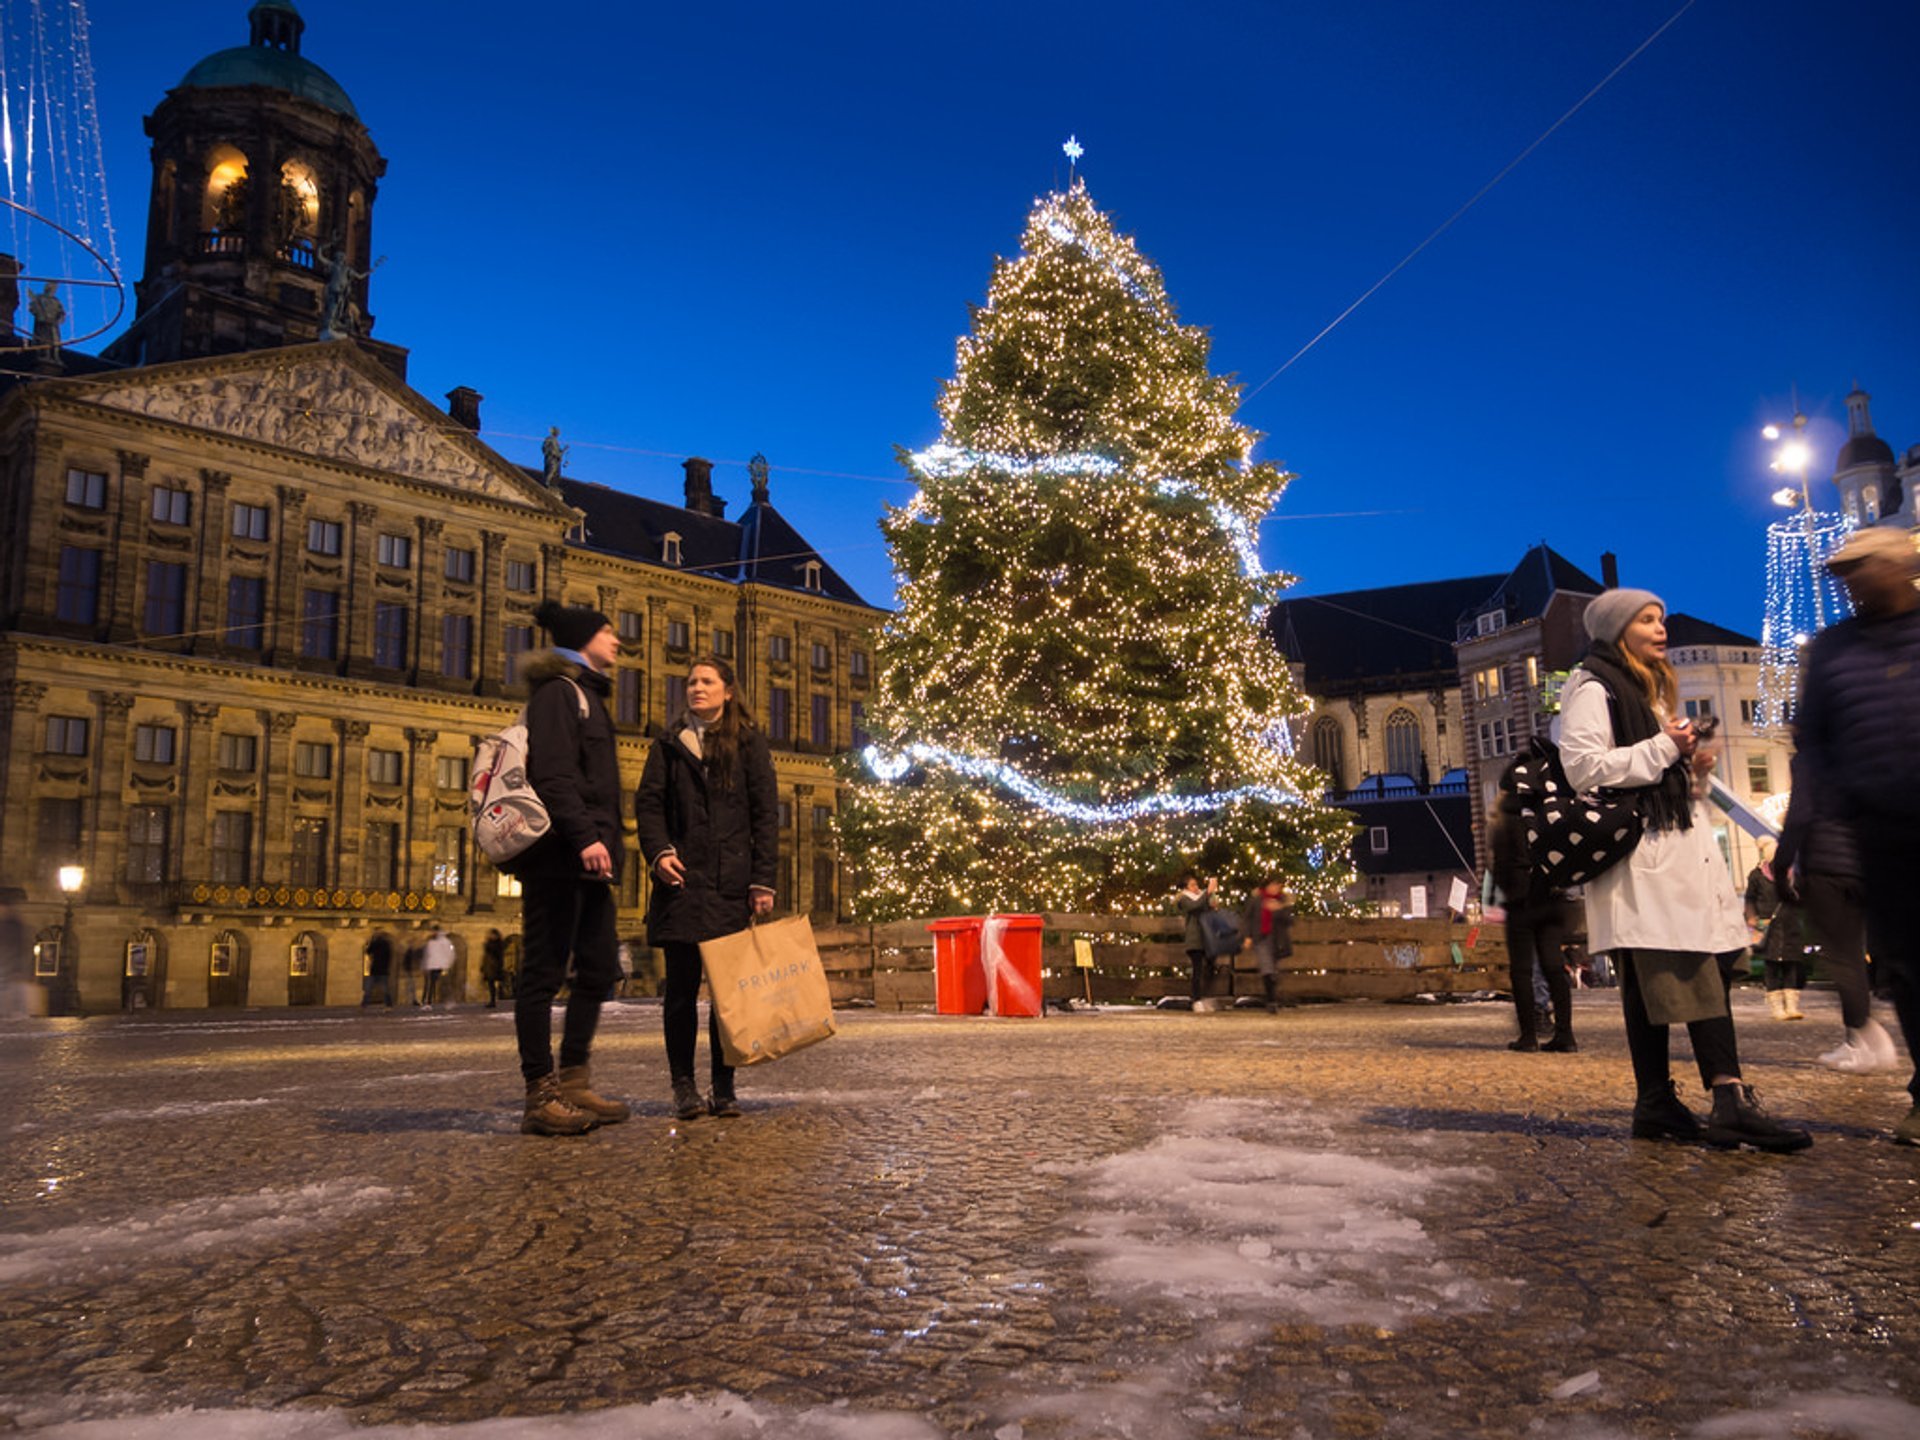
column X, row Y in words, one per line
column 1571, row 837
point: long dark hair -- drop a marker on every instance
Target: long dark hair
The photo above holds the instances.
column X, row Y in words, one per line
column 721, row 742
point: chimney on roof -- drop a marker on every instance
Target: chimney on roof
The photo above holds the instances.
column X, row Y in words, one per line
column 1609, row 570
column 700, row 497
column 463, row 404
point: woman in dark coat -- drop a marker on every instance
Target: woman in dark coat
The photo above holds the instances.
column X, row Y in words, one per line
column 708, row 823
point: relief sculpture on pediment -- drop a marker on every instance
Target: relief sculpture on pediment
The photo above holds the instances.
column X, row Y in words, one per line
column 319, row 408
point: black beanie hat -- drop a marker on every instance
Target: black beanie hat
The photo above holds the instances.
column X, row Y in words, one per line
column 571, row 626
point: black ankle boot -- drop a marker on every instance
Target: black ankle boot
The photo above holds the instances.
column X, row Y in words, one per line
column 687, row 1104
column 1739, row 1119
column 1660, row 1115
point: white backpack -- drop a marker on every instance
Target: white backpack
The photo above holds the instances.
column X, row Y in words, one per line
column 507, row 812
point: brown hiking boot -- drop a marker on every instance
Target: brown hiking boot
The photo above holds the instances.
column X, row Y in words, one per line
column 576, row 1088
column 548, row 1113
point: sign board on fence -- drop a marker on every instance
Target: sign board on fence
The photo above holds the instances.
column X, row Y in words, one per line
column 1083, row 954
column 1417, row 903
column 1457, row 896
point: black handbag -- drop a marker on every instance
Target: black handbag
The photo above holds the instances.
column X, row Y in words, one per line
column 1571, row 837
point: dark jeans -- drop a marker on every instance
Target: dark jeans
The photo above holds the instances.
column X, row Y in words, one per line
column 1835, row 909
column 1534, row 937
column 1715, row 1050
column 1890, row 852
column 562, row 921
column 680, row 1015
column 1202, row 972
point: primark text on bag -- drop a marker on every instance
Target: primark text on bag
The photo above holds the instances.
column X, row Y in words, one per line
column 769, row 990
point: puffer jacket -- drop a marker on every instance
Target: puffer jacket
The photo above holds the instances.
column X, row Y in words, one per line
column 573, row 766
column 1854, row 722
column 728, row 840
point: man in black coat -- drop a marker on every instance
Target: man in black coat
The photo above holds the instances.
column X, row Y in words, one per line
column 1854, row 726
column 566, row 877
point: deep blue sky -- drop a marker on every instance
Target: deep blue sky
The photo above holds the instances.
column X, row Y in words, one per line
column 720, row 228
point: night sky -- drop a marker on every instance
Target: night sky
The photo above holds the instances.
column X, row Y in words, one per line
column 724, row 228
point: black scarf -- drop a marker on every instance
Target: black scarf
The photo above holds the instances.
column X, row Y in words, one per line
column 1666, row 804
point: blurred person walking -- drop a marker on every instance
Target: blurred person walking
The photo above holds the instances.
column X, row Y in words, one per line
column 1668, row 913
column 1537, row 928
column 566, row 878
column 379, row 970
column 1858, row 763
column 1782, row 941
column 1819, row 860
column 707, row 811
column 493, row 966
column 437, row 957
column 1267, row 928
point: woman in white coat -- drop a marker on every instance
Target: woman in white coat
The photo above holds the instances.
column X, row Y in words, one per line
column 1667, row 914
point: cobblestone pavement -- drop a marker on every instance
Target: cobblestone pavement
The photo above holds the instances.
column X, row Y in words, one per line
column 1344, row 1220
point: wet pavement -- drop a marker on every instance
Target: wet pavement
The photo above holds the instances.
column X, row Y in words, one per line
column 1343, row 1220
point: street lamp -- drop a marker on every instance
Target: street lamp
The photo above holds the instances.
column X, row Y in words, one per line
column 73, row 879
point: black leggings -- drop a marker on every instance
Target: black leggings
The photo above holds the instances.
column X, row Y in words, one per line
column 1534, row 936
column 1715, row 1050
column 1202, row 972
column 1836, row 910
column 680, row 1016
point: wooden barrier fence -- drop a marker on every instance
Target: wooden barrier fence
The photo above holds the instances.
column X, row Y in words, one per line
column 1143, row 958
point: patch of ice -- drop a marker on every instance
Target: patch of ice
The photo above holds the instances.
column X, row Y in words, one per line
column 1242, row 1208
column 175, row 1110
column 1830, row 1414
column 1578, row 1385
column 719, row 1417
column 190, row 1227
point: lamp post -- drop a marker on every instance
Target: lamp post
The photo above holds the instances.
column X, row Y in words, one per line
column 73, row 879
column 1794, row 458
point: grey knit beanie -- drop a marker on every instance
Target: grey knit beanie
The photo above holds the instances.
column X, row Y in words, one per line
column 1608, row 614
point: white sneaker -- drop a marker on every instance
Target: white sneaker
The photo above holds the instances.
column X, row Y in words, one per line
column 1862, row 1053
column 1880, row 1044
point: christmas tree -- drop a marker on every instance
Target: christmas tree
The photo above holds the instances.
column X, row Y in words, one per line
column 1077, row 698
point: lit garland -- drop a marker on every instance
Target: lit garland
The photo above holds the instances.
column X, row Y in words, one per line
column 1802, row 594
column 895, row 767
column 1077, row 697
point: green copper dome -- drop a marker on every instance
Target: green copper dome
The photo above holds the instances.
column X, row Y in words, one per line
column 272, row 59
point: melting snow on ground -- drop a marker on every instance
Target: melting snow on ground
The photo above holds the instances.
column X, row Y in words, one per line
column 1831, row 1415
column 191, row 1227
column 720, row 1417
column 1246, row 1209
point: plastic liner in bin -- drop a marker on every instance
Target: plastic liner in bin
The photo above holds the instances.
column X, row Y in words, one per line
column 1010, row 956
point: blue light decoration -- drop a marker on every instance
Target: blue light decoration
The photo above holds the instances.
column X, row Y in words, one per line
column 894, row 767
column 1802, row 598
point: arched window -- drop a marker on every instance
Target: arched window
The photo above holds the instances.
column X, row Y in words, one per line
column 1328, row 752
column 223, row 211
column 1404, row 756
column 1870, row 502
column 297, row 218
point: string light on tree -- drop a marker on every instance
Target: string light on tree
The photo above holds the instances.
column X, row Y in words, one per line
column 1077, row 698
column 1802, row 595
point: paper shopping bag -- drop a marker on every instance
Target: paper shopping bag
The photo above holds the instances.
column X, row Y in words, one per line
column 768, row 989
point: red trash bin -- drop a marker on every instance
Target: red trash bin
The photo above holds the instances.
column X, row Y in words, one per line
column 959, row 984
column 1010, row 956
